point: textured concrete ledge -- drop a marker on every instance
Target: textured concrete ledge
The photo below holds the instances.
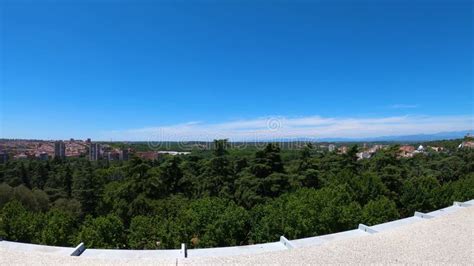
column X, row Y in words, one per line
column 444, row 240
column 131, row 254
column 24, row 247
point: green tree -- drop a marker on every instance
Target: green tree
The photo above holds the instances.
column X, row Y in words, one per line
column 42, row 199
column 460, row 190
column 87, row 189
column 392, row 177
column 212, row 222
column 275, row 184
column 24, row 175
column 311, row 178
column 6, row 194
column 220, row 147
column 102, row 232
column 71, row 206
column 247, row 190
column 418, row 195
column 269, row 157
column 26, row 197
column 41, row 175
column 143, row 233
column 379, row 211
column 17, row 224
column 59, row 229
column 306, row 212
column 68, row 182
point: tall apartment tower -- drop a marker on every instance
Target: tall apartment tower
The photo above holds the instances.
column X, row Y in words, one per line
column 3, row 157
column 59, row 150
column 124, row 155
column 94, row 151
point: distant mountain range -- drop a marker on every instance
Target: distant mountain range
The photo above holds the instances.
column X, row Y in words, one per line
column 403, row 138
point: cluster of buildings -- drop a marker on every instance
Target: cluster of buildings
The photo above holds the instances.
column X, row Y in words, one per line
column 408, row 151
column 405, row 151
column 98, row 151
column 468, row 142
column 95, row 151
column 368, row 152
column 45, row 150
column 40, row 149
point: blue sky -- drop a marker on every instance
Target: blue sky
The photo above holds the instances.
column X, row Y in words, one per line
column 201, row 69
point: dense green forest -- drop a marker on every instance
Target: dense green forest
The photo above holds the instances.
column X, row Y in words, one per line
column 223, row 196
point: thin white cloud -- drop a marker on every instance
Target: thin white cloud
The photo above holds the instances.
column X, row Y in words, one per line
column 404, row 106
column 266, row 128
